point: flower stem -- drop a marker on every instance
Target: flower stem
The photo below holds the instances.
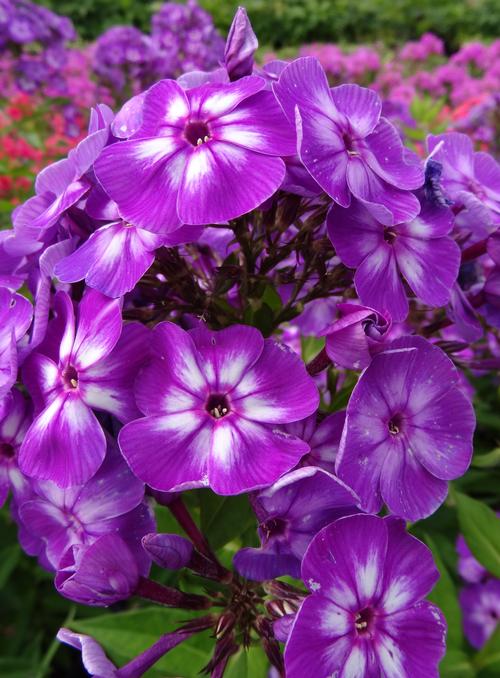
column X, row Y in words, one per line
column 170, row 597
column 319, row 363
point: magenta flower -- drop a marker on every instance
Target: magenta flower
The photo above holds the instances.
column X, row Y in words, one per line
column 15, row 318
column 420, row 250
column 345, row 144
column 184, row 164
column 290, row 513
column 366, row 615
column 83, row 365
column 82, row 513
column 480, row 605
column 408, row 430
column 241, row 46
column 213, row 402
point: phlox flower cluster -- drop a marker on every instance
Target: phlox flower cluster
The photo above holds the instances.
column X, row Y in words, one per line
column 177, row 260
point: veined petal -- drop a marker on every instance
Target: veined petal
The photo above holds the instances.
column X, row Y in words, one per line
column 112, row 260
column 170, row 452
column 98, row 329
column 360, row 105
column 209, row 102
column 258, row 124
column 165, row 105
column 212, row 191
column 143, row 176
column 65, row 443
column 378, row 283
column 246, row 455
column 277, row 389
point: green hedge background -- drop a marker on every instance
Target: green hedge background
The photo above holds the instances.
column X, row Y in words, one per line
column 281, row 23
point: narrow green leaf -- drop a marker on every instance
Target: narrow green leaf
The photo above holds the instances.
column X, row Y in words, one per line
column 16, row 667
column 481, row 530
column 489, row 460
column 124, row 635
column 456, row 664
column 9, row 557
column 444, row 595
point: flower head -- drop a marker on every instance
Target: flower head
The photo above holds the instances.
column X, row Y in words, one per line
column 408, row 430
column 212, row 402
column 184, row 164
column 366, row 614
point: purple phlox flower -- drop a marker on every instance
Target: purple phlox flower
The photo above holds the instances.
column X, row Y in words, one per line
column 469, row 178
column 323, row 438
column 345, row 144
column 116, row 255
column 408, row 430
column 97, row 664
column 81, row 514
column 15, row 318
column 87, row 364
column 102, row 573
column 241, row 45
column 15, row 419
column 366, row 615
column 213, row 402
column 184, row 164
column 358, row 333
column 480, row 605
column 468, row 567
column 421, row 250
column 290, row 513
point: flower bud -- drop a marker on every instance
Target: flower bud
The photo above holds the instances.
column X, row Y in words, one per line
column 240, row 46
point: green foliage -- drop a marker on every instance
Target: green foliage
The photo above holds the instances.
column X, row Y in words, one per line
column 481, row 530
column 280, row 23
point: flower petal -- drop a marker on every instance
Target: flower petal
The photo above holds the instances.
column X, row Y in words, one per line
column 98, row 329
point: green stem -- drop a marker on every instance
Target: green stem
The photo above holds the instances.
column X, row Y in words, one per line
column 54, row 646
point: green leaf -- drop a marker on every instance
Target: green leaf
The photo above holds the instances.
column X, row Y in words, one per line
column 124, row 635
column 224, row 518
column 311, row 346
column 481, row 530
column 9, row 557
column 16, row 667
column 487, row 661
column 488, row 460
column 251, row 663
column 272, row 298
column 456, row 664
column 444, row 595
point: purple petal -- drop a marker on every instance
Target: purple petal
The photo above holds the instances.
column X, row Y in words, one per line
column 277, row 389
column 93, row 656
column 65, row 443
column 98, row 329
column 259, row 125
column 246, row 455
column 112, row 260
column 170, row 551
column 227, row 355
column 360, row 105
column 388, row 158
column 154, row 168
column 430, row 267
column 409, row 571
column 168, row 453
column 378, row 283
column 211, row 190
column 373, row 191
column 165, row 105
column 354, row 233
column 261, row 565
column 108, row 385
column 345, row 561
column 209, row 102
column 412, row 642
column 175, row 373
column 319, row 640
